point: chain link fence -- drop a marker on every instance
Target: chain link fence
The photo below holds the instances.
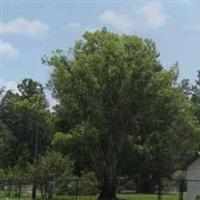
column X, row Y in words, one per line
column 76, row 188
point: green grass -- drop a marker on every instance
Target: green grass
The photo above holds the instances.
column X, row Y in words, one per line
column 147, row 197
column 125, row 197
column 121, row 197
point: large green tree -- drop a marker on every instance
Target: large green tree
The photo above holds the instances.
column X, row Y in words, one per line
column 192, row 92
column 7, row 147
column 112, row 88
column 196, row 95
column 26, row 114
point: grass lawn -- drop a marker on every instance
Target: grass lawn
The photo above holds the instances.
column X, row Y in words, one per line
column 121, row 197
column 124, row 197
column 147, row 197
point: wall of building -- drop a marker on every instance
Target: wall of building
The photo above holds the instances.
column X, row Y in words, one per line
column 193, row 177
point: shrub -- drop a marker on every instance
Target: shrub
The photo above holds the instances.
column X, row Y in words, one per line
column 86, row 185
column 197, row 197
column 11, row 179
column 51, row 168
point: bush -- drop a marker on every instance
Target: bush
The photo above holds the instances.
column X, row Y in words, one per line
column 179, row 175
column 197, row 197
column 51, row 168
column 11, row 180
column 87, row 185
column 180, row 179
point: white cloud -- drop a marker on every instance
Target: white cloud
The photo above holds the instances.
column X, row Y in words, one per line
column 9, row 85
column 120, row 22
column 79, row 27
column 149, row 15
column 53, row 103
column 153, row 14
column 23, row 26
column 7, row 50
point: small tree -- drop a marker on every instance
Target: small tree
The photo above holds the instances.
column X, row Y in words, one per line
column 50, row 168
column 12, row 178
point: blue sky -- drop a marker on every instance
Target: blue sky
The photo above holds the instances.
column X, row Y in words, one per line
column 30, row 29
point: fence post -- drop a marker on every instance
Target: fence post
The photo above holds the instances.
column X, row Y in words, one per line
column 160, row 189
column 20, row 187
column 181, row 188
column 76, row 192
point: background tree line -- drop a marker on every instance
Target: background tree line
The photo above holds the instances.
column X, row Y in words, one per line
column 119, row 113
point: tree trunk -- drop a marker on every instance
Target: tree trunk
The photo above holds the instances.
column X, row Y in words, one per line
column 108, row 189
column 35, row 162
column 145, row 184
column 34, row 191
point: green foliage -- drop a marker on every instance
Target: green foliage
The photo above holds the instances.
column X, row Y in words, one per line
column 26, row 115
column 119, row 113
column 50, row 168
column 197, row 197
column 179, row 175
column 7, row 144
column 12, row 174
column 11, row 178
column 86, row 185
column 28, row 88
column 169, row 133
column 112, row 89
column 192, row 92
